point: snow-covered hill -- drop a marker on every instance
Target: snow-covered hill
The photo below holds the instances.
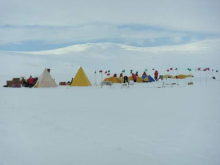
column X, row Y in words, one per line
column 143, row 124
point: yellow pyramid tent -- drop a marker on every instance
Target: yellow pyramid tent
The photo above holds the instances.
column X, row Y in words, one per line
column 80, row 79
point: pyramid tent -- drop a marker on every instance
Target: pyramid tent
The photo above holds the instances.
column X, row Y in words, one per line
column 45, row 80
column 80, row 79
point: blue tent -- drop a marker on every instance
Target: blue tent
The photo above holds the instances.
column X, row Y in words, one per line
column 150, row 79
column 147, row 78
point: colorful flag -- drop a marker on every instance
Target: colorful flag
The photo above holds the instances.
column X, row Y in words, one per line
column 171, row 68
column 208, row 69
column 123, row 71
column 108, row 74
column 105, row 72
column 204, row 69
column 199, row 68
column 100, row 71
column 168, row 70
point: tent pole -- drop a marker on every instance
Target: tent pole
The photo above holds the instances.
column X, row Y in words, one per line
column 95, row 80
column 206, row 78
column 200, row 77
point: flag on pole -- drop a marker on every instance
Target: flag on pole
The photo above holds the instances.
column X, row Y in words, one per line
column 208, row 69
column 188, row 69
column 168, row 70
column 199, row 68
column 108, row 71
column 171, row 68
column 123, row 71
column 105, row 72
column 131, row 71
column 108, row 74
column 100, row 71
column 176, row 69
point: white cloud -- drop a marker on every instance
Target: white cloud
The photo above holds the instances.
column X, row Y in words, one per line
column 192, row 15
column 100, row 32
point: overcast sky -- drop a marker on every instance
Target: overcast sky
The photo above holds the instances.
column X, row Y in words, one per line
column 48, row 24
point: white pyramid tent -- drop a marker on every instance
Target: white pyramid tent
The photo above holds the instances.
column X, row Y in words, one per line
column 45, row 80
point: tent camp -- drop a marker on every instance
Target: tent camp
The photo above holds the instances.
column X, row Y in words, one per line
column 45, row 80
column 113, row 79
column 80, row 79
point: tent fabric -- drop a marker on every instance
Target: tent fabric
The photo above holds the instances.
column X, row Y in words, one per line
column 45, row 80
column 121, row 79
column 80, row 79
column 144, row 77
column 138, row 79
column 167, row 76
column 180, row 76
column 113, row 79
column 148, row 78
column 189, row 75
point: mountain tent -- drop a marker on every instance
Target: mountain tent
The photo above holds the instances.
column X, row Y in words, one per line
column 139, row 80
column 45, row 80
column 113, row 79
column 80, row 79
column 180, row 76
column 148, row 79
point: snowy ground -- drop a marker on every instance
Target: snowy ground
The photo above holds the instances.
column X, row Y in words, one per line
column 143, row 124
column 136, row 125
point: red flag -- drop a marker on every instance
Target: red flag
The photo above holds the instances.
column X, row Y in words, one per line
column 199, row 68
column 108, row 74
column 105, row 72
column 100, row 71
column 171, row 68
column 204, row 69
column 167, row 70
column 208, row 69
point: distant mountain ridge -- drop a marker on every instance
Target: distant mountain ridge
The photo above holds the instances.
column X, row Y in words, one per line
column 197, row 46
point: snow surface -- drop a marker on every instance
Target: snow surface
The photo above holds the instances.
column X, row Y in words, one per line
column 142, row 124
